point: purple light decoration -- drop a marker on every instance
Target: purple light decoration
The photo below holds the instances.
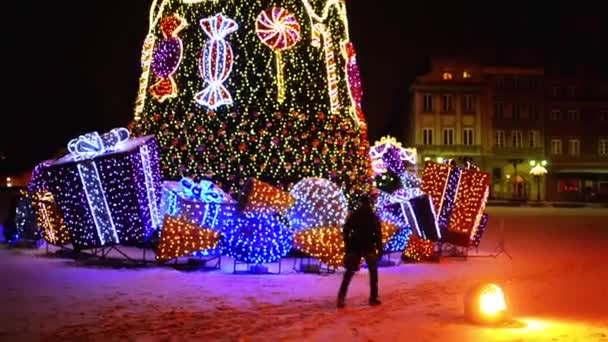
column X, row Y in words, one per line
column 480, row 230
column 167, row 57
column 128, row 193
column 393, row 161
column 449, row 195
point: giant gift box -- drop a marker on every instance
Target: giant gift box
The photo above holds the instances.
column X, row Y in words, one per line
column 108, row 189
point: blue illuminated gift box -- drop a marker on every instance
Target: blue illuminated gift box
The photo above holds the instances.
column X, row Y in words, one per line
column 108, row 189
column 203, row 204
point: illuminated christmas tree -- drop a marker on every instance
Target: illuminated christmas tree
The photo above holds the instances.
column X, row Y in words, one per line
column 263, row 89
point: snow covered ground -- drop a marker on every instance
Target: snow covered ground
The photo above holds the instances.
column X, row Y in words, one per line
column 557, row 288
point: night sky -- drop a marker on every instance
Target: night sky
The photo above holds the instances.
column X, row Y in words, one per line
column 73, row 66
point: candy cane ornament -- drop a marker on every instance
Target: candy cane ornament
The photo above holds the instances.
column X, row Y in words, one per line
column 216, row 61
column 167, row 57
column 278, row 29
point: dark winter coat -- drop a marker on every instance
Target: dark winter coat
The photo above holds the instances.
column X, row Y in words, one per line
column 362, row 232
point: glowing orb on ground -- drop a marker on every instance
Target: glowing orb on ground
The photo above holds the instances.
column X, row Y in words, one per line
column 485, row 304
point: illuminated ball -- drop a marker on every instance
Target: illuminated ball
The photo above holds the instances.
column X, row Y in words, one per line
column 485, row 304
column 255, row 238
column 319, row 203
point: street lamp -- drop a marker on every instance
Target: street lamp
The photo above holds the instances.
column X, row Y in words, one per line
column 538, row 171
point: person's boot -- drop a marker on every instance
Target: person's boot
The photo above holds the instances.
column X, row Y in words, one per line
column 374, row 301
column 341, row 302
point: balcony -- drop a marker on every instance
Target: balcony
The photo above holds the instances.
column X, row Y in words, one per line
column 450, row 150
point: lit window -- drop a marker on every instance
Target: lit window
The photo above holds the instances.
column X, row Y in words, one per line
column 447, row 76
column 556, row 146
column 603, row 147
column 428, row 136
column 574, row 147
column 500, row 139
column 448, row 136
column 466, row 74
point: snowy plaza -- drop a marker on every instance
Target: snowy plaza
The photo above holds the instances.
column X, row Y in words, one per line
column 556, row 286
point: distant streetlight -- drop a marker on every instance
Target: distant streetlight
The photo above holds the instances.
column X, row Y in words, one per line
column 538, row 171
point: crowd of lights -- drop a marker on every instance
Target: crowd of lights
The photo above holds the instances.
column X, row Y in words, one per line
column 324, row 243
column 181, row 238
column 167, row 57
column 107, row 198
column 255, row 238
column 258, row 136
column 318, row 203
column 216, row 61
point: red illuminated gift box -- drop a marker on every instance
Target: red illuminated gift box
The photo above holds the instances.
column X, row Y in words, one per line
column 468, row 210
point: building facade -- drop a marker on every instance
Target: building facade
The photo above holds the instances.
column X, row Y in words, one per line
column 576, row 136
column 492, row 116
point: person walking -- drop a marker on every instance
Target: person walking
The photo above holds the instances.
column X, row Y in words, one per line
column 362, row 239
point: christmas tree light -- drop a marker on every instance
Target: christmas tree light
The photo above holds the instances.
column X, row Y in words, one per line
column 310, row 130
column 324, row 243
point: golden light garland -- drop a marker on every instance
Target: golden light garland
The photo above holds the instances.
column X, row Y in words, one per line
column 261, row 197
column 49, row 218
column 325, row 244
column 180, row 238
column 419, row 249
column 434, row 182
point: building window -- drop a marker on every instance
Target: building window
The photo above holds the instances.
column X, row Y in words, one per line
column 533, row 139
column 574, row 115
column 447, row 102
column 517, row 111
column 604, row 115
column 556, row 91
column 466, row 74
column 574, row 147
column 556, row 146
column 500, row 139
column 603, row 147
column 428, row 103
column 468, row 103
column 448, row 136
column 572, row 91
column 500, row 82
column 467, row 136
column 517, row 139
column 427, row 136
column 499, row 110
column 556, row 114
column 568, row 185
column 447, row 76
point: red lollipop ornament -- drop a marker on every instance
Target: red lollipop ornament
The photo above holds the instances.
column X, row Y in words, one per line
column 278, row 29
